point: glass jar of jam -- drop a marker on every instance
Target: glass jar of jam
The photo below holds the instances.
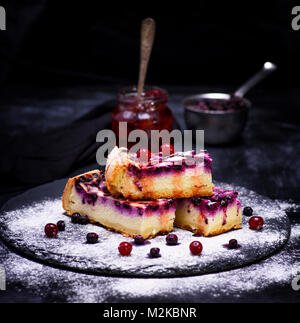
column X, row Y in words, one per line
column 150, row 112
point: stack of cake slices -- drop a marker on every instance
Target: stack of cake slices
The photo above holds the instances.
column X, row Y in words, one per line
column 147, row 198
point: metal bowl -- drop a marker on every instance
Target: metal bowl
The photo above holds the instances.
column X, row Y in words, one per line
column 220, row 127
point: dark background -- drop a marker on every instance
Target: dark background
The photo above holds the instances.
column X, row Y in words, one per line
column 206, row 43
column 62, row 62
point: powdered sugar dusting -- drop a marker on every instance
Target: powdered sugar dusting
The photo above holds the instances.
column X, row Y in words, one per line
column 277, row 271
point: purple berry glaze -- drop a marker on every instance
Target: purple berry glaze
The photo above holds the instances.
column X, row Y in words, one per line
column 92, row 190
column 177, row 162
column 220, row 199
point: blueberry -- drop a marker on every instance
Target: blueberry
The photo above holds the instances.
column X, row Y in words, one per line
column 172, row 202
column 248, row 211
column 78, row 186
column 228, row 198
column 92, row 237
column 232, row 244
column 138, row 239
column 83, row 220
column 86, row 179
column 61, row 225
column 171, row 239
column 196, row 200
column 140, row 211
column 154, row 207
column 106, row 191
column 157, row 170
column 224, row 203
column 94, row 198
column 212, row 205
column 126, row 205
column 154, row 253
column 75, row 217
column 177, row 166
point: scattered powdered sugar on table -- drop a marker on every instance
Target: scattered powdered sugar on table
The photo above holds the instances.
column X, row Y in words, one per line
column 53, row 284
column 24, row 230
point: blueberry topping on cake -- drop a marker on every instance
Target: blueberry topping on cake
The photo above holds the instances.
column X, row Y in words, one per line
column 126, row 205
column 210, row 215
column 144, row 198
column 161, row 177
column 196, row 200
column 130, row 217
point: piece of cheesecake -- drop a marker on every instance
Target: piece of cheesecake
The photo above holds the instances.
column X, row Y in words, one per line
column 212, row 215
column 88, row 195
column 179, row 175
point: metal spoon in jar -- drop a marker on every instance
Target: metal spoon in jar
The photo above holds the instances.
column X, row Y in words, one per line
column 147, row 39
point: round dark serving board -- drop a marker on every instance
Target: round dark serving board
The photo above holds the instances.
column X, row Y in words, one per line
column 23, row 218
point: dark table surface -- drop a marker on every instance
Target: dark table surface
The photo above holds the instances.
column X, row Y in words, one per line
column 265, row 159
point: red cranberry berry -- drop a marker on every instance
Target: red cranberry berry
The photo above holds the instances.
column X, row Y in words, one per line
column 61, row 225
column 125, row 248
column 233, row 244
column 75, row 218
column 167, row 149
column 171, row 239
column 154, row 253
column 144, row 154
column 138, row 239
column 248, row 211
column 196, row 247
column 51, row 230
column 92, row 237
column 256, row 223
column 153, row 93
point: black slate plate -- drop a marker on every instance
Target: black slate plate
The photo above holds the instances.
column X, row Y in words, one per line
column 23, row 218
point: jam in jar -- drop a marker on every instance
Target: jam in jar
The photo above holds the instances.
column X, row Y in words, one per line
column 150, row 112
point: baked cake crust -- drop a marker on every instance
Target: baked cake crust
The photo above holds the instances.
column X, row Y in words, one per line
column 210, row 216
column 87, row 194
column 161, row 177
column 66, row 201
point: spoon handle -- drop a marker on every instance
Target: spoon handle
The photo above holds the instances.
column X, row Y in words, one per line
column 265, row 71
column 147, row 39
